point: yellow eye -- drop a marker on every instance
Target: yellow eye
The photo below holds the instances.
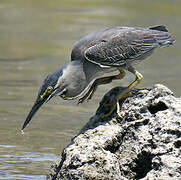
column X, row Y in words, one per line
column 47, row 91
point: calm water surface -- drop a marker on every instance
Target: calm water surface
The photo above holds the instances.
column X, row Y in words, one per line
column 36, row 38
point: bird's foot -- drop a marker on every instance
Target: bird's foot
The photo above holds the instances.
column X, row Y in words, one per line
column 116, row 105
column 121, row 98
column 119, row 110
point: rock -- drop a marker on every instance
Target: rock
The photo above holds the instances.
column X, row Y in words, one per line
column 145, row 143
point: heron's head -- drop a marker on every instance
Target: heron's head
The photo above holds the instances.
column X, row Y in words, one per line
column 51, row 86
column 67, row 82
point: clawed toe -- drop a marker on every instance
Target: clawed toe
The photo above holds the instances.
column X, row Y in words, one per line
column 119, row 110
column 114, row 103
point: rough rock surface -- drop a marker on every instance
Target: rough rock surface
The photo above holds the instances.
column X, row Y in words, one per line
column 144, row 144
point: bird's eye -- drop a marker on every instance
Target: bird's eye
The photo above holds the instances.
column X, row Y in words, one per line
column 47, row 91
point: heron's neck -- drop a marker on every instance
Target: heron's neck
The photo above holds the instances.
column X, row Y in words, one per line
column 79, row 75
column 74, row 78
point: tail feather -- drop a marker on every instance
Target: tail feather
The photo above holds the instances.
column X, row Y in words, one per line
column 159, row 28
column 165, row 40
column 162, row 36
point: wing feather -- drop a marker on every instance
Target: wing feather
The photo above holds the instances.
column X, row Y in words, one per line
column 121, row 49
column 118, row 53
column 118, row 46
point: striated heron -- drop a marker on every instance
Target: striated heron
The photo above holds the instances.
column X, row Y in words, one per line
column 96, row 57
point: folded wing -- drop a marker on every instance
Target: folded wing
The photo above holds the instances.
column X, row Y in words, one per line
column 128, row 45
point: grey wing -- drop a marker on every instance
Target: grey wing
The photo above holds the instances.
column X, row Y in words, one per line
column 125, row 47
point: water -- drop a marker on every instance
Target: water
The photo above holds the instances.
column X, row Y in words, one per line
column 36, row 38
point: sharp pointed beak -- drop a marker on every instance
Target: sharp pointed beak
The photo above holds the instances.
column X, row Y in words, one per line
column 39, row 102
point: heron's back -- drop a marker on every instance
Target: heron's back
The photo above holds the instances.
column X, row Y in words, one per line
column 116, row 45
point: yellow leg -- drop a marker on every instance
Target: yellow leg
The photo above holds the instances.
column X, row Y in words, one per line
column 115, row 105
column 100, row 81
column 122, row 98
column 118, row 109
column 106, row 80
column 125, row 93
column 138, row 79
column 93, row 88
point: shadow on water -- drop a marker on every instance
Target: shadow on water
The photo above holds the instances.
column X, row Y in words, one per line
column 37, row 38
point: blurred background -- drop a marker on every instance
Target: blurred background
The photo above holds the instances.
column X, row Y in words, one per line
column 36, row 37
